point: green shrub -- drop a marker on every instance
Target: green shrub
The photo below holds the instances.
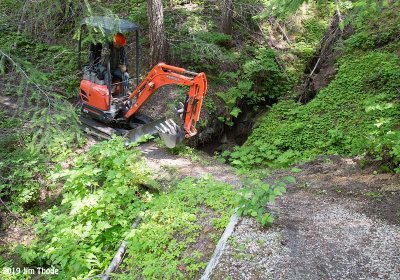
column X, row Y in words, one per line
column 98, row 202
column 202, row 52
column 268, row 79
column 170, row 226
column 27, row 151
column 20, row 178
column 255, row 197
column 261, row 81
column 214, row 37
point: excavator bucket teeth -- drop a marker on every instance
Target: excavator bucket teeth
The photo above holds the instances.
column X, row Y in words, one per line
column 170, row 133
column 148, row 128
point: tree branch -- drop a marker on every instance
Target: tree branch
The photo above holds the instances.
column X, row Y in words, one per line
column 337, row 2
column 27, row 77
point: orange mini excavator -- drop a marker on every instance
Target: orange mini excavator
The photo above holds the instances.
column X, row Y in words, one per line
column 107, row 109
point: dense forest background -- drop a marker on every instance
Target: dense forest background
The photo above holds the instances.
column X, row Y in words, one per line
column 288, row 81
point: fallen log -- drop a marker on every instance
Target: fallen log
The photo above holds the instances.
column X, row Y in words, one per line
column 120, row 253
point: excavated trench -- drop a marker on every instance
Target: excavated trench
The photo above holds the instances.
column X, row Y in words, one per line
column 219, row 137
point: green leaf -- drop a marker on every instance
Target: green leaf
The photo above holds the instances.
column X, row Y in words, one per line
column 290, row 179
column 102, row 225
column 266, row 219
column 235, row 112
column 295, row 170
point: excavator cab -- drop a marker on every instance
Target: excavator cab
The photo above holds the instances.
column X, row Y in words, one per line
column 104, row 103
column 101, row 29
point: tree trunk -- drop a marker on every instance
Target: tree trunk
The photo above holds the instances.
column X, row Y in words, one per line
column 158, row 43
column 227, row 13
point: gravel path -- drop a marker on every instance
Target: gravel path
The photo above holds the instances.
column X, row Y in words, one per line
column 336, row 222
column 318, row 239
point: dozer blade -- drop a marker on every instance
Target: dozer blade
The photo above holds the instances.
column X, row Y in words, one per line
column 148, row 128
column 170, row 133
column 168, row 130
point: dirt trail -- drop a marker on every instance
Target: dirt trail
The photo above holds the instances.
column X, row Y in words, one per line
column 336, row 222
column 160, row 160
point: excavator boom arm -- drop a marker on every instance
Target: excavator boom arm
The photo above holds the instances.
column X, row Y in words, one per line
column 163, row 74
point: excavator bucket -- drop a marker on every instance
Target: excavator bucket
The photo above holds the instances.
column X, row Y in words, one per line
column 168, row 130
column 148, row 128
column 170, row 133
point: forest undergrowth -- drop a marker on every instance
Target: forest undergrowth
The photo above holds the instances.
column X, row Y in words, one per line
column 101, row 191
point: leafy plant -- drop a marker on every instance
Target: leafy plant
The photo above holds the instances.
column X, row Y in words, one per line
column 268, row 79
column 231, row 99
column 261, row 81
column 255, row 197
column 99, row 199
column 5, row 270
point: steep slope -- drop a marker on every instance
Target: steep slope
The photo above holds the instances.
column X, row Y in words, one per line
column 356, row 113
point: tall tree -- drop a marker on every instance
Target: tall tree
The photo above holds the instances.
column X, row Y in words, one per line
column 158, row 42
column 227, row 13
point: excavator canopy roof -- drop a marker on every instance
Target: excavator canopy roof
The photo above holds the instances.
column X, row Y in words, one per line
column 109, row 24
